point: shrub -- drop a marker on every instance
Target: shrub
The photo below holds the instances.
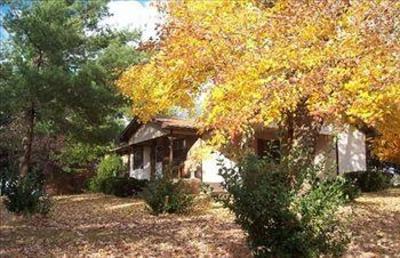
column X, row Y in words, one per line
column 165, row 196
column 122, row 186
column 110, row 166
column 369, row 181
column 7, row 176
column 26, row 195
column 285, row 218
column 350, row 189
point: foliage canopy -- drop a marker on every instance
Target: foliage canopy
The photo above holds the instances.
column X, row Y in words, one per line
column 258, row 61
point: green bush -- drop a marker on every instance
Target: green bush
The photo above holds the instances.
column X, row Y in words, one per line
column 350, row 189
column 165, row 196
column 26, row 195
column 122, row 186
column 7, row 176
column 285, row 217
column 369, row 181
column 110, row 166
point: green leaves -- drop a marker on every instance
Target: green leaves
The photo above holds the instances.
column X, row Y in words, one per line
column 62, row 60
column 283, row 219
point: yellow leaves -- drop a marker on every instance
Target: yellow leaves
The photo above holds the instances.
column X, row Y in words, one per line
column 262, row 61
column 317, row 30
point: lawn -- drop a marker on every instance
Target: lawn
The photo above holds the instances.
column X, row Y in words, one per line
column 98, row 225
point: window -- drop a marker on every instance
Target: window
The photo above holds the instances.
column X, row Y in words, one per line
column 269, row 148
column 138, row 158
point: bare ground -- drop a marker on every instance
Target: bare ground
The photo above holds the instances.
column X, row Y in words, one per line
column 95, row 225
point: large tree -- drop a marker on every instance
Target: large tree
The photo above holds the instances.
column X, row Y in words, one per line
column 298, row 64
column 58, row 67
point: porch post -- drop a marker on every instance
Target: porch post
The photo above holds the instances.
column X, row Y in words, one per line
column 152, row 159
column 129, row 163
column 171, row 151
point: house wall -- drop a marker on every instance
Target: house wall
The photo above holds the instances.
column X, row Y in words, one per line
column 208, row 160
column 352, row 151
column 144, row 133
column 145, row 172
column 351, row 155
column 211, row 165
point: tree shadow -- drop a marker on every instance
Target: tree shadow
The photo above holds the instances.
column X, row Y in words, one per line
column 88, row 225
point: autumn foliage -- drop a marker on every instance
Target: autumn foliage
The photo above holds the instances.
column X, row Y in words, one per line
column 258, row 62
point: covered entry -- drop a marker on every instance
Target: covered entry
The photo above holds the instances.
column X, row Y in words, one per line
column 158, row 147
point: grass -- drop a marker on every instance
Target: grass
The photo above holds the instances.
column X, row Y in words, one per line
column 96, row 225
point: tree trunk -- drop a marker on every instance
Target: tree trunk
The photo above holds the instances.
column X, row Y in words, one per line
column 27, row 142
column 300, row 134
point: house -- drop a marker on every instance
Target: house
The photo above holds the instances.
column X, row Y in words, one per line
column 150, row 149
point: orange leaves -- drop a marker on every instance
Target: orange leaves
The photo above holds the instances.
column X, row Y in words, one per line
column 259, row 61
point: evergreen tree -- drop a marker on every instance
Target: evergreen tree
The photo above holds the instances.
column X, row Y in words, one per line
column 57, row 70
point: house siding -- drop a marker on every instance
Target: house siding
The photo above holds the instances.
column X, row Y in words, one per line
column 341, row 152
column 352, row 154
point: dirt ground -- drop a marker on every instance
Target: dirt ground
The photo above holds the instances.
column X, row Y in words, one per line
column 95, row 225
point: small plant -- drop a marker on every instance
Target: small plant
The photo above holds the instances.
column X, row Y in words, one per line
column 123, row 186
column 285, row 217
column 350, row 189
column 26, row 195
column 166, row 196
column 110, row 166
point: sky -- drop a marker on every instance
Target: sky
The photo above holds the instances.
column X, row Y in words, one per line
column 134, row 14
column 3, row 33
column 126, row 14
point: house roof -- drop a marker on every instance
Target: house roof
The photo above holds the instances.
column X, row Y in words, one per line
column 164, row 122
column 176, row 123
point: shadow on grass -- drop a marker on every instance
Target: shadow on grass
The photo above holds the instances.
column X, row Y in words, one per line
column 102, row 225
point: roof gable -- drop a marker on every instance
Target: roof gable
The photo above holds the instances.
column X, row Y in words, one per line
column 163, row 123
column 147, row 132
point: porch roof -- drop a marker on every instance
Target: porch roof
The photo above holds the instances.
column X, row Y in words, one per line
column 163, row 122
column 160, row 127
column 127, row 147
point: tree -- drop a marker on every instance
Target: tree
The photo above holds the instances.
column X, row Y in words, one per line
column 58, row 68
column 297, row 64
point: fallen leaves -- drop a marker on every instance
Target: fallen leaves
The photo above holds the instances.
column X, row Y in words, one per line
column 95, row 225
column 375, row 225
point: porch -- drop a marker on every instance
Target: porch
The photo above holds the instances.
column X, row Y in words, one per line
column 154, row 151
